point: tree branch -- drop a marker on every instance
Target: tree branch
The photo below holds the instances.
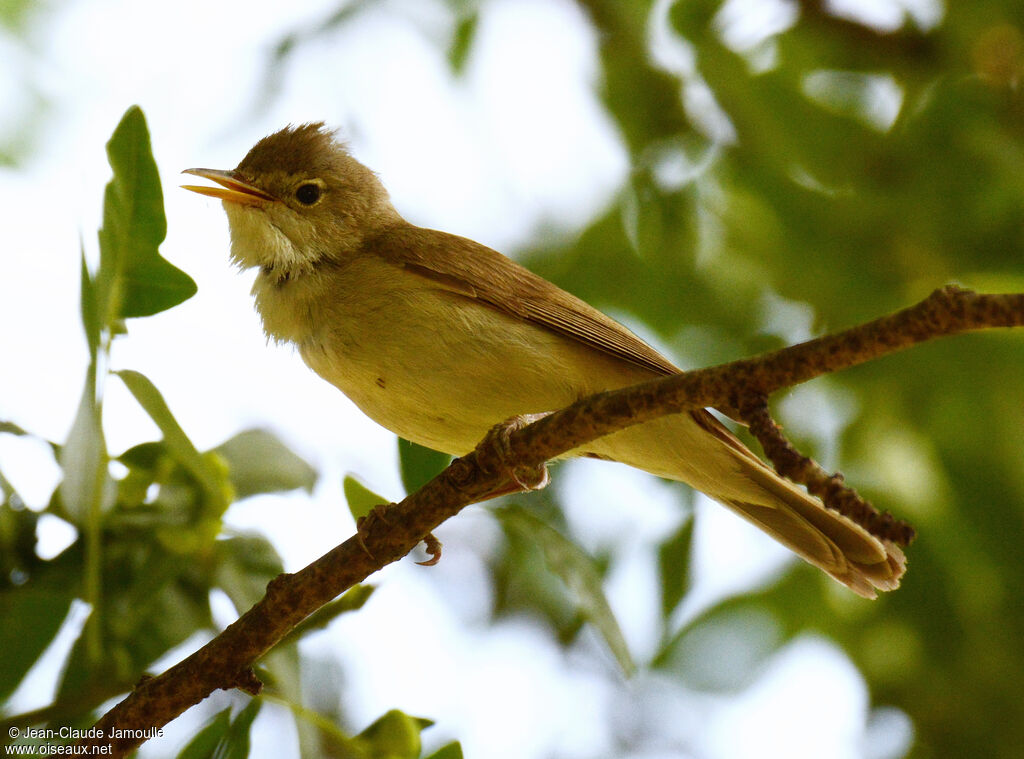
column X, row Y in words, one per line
column 830, row 488
column 226, row 662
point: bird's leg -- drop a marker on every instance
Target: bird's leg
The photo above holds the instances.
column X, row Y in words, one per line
column 495, row 450
column 379, row 513
column 493, row 455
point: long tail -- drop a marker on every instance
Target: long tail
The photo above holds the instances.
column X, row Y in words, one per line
column 820, row 536
column 700, row 451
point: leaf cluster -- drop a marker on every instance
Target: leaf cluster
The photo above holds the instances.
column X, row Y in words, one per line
column 150, row 542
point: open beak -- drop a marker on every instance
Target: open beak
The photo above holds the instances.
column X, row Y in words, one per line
column 232, row 188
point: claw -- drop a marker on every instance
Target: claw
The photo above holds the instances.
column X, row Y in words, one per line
column 433, row 546
column 531, row 478
column 495, row 450
column 359, row 536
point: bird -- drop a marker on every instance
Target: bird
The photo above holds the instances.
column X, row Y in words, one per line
column 437, row 338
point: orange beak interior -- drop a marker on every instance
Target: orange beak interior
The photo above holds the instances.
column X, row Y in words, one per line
column 232, row 189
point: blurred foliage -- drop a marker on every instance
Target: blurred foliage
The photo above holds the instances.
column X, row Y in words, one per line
column 394, row 735
column 360, row 499
column 419, row 465
column 579, row 573
column 832, row 163
column 27, row 100
column 861, row 168
column 224, row 736
column 15, row 13
column 150, row 541
column 815, row 198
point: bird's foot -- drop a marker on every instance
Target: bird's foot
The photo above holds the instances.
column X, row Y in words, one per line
column 379, row 513
column 365, row 523
column 495, row 451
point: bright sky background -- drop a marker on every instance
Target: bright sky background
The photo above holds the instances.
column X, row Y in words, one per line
column 519, row 143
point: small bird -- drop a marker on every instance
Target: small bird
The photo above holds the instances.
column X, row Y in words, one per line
column 438, row 338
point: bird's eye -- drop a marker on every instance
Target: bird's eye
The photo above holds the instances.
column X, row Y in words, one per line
column 308, row 193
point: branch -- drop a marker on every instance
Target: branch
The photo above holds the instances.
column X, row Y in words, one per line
column 226, row 662
column 830, row 488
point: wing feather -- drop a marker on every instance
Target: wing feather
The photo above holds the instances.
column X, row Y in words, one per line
column 476, row 271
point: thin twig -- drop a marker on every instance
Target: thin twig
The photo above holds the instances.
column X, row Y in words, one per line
column 830, row 488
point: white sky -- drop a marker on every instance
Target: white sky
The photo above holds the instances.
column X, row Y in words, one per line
column 520, row 142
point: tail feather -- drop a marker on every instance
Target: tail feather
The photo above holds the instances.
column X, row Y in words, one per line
column 825, row 538
column 719, row 465
column 819, row 548
column 828, row 540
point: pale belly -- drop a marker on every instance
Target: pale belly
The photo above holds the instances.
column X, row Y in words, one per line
column 444, row 387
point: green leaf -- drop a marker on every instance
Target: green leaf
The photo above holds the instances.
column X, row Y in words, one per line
column 419, row 465
column 15, row 15
column 727, row 650
column 360, row 498
column 280, row 670
column 462, row 42
column 209, row 476
column 224, row 737
column 643, row 215
column 523, row 583
column 206, row 741
column 144, row 455
column 258, row 462
column 84, row 456
column 151, row 601
column 395, row 735
column 133, row 279
column 236, row 743
column 11, row 428
column 674, row 566
column 245, row 565
column 451, row 750
column 579, row 573
column 35, row 607
column 89, row 306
